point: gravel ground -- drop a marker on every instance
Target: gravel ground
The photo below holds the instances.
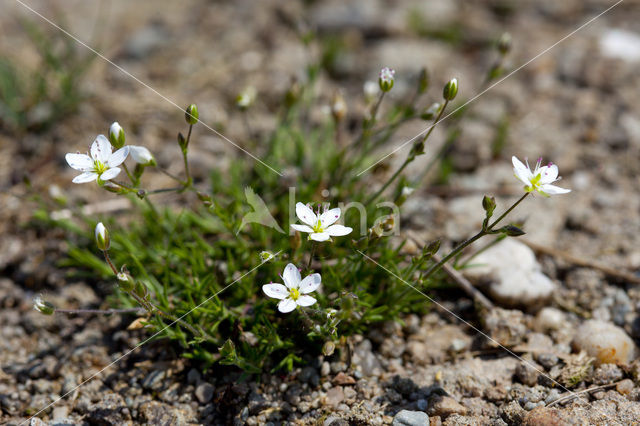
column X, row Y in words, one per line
column 565, row 326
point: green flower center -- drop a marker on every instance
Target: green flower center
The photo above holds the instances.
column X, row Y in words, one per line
column 99, row 167
column 294, row 293
column 318, row 227
column 535, row 182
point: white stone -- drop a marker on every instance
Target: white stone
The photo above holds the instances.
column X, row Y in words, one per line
column 513, row 274
column 606, row 342
column 621, row 44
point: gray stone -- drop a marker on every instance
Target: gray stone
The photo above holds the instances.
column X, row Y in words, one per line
column 204, row 392
column 410, row 418
column 110, row 410
column 334, row 396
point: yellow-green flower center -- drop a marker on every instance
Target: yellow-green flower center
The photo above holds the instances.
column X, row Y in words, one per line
column 99, row 167
column 294, row 293
column 318, row 227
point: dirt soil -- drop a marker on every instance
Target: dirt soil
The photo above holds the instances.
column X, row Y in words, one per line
column 576, row 105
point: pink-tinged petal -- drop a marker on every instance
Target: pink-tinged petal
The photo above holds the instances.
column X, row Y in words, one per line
column 118, row 157
column 306, row 300
column 287, row 305
column 277, row 291
column 110, row 173
column 521, row 171
column 554, row 190
column 101, row 149
column 302, row 228
column 329, row 217
column 338, row 230
column 306, row 215
column 548, row 174
column 320, row 236
column 85, row 177
column 310, row 283
column 291, row 276
column 80, row 162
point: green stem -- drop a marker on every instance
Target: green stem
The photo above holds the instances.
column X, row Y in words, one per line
column 471, row 240
column 189, row 181
column 101, row 311
column 313, row 249
column 126, row 169
column 410, row 157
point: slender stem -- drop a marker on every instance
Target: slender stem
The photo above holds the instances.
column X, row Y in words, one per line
column 410, row 157
column 313, row 249
column 495, row 222
column 471, row 240
column 186, row 161
column 108, row 259
column 101, row 311
column 126, row 169
column 177, row 320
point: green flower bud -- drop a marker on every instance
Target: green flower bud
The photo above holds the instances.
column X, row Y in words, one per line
column 191, row 114
column 266, row 256
column 512, row 231
column 42, row 306
column 450, row 89
column 116, row 135
column 102, row 237
column 182, row 141
column 488, row 204
column 385, row 79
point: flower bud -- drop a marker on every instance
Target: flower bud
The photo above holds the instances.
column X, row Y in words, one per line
column 450, row 89
column 338, row 107
column 191, row 114
column 102, row 237
column 512, row 231
column 488, row 204
column 125, row 281
column 182, row 141
column 423, row 80
column 116, row 135
column 246, row 98
column 385, row 79
column 504, row 43
column 42, row 306
column 141, row 155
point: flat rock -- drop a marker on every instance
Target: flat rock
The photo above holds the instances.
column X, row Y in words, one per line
column 513, row 275
column 110, row 410
column 444, row 406
column 606, row 342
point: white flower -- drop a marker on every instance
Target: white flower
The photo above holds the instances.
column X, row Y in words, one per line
column 320, row 227
column 102, row 164
column 294, row 292
column 540, row 179
column 141, row 155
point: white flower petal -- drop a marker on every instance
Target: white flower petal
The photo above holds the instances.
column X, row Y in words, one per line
column 320, row 236
column 329, row 217
column 140, row 154
column 310, row 283
column 306, row 215
column 277, row 291
column 85, row 177
column 554, row 190
column 522, row 172
column 306, row 300
column 101, row 149
column 110, row 173
column 302, row 228
column 287, row 305
column 338, row 230
column 291, row 276
column 548, row 174
column 80, row 162
column 118, row 157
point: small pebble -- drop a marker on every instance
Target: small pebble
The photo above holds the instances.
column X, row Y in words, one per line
column 625, row 386
column 410, row 418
